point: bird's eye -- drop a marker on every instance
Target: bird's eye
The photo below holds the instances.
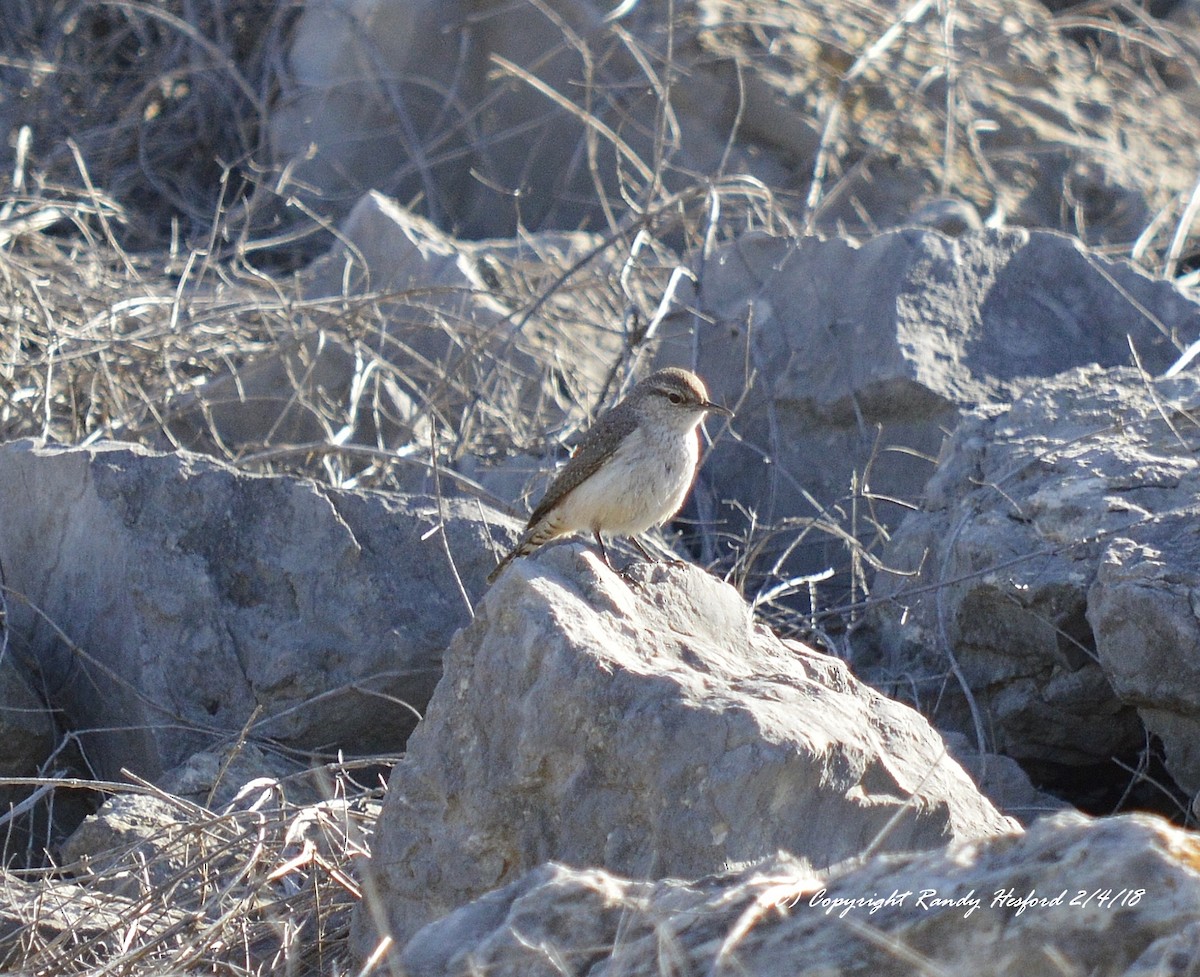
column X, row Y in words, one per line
column 675, row 398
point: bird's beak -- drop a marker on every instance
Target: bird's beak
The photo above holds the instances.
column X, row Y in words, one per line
column 717, row 408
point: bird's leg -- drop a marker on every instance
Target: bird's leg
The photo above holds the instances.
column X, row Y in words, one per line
column 653, row 559
column 603, row 551
column 641, row 549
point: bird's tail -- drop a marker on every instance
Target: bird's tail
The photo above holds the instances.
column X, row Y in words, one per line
column 525, row 545
column 513, row 554
column 533, row 537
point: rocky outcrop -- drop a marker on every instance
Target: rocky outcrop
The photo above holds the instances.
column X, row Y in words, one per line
column 616, row 775
column 1050, row 573
column 1144, row 612
column 26, row 728
column 134, row 845
column 1002, row 780
column 1109, row 898
column 27, row 736
column 498, row 116
column 848, row 363
column 178, row 600
column 553, row 128
column 647, row 726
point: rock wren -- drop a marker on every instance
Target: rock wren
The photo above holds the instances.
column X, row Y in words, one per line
column 632, row 469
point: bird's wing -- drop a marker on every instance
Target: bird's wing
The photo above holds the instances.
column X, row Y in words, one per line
column 593, row 446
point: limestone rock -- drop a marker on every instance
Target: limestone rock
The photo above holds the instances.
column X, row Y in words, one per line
column 214, row 778
column 1003, row 781
column 367, row 86
column 176, row 595
column 135, row 843
column 495, row 116
column 862, row 358
column 1053, row 564
column 26, row 724
column 1144, row 611
column 649, row 727
column 1108, row 898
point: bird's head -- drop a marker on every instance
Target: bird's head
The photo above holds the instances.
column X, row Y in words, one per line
column 677, row 395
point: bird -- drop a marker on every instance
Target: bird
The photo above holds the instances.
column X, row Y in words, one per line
column 632, row 469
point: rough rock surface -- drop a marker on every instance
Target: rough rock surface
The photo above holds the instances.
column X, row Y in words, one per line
column 135, row 842
column 184, row 594
column 26, row 727
column 27, row 730
column 1003, row 781
column 363, row 90
column 646, row 726
column 1119, row 901
column 864, row 356
column 1053, row 564
column 26, row 724
column 418, row 99
column 1144, row 612
column 214, row 778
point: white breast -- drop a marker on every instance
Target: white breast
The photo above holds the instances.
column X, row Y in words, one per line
column 643, row 484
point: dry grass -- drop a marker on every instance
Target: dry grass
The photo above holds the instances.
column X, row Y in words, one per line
column 136, row 266
column 265, row 886
column 164, row 101
column 143, row 254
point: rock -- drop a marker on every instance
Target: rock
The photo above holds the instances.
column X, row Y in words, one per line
column 29, row 812
column 27, row 730
column 1108, row 898
column 26, row 724
column 70, row 920
column 135, row 844
column 647, row 727
column 1053, row 565
column 508, row 153
column 214, row 778
column 367, row 88
column 495, row 117
column 27, row 739
column 1002, row 781
column 864, row 356
column 1144, row 612
column 403, row 326
column 185, row 594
